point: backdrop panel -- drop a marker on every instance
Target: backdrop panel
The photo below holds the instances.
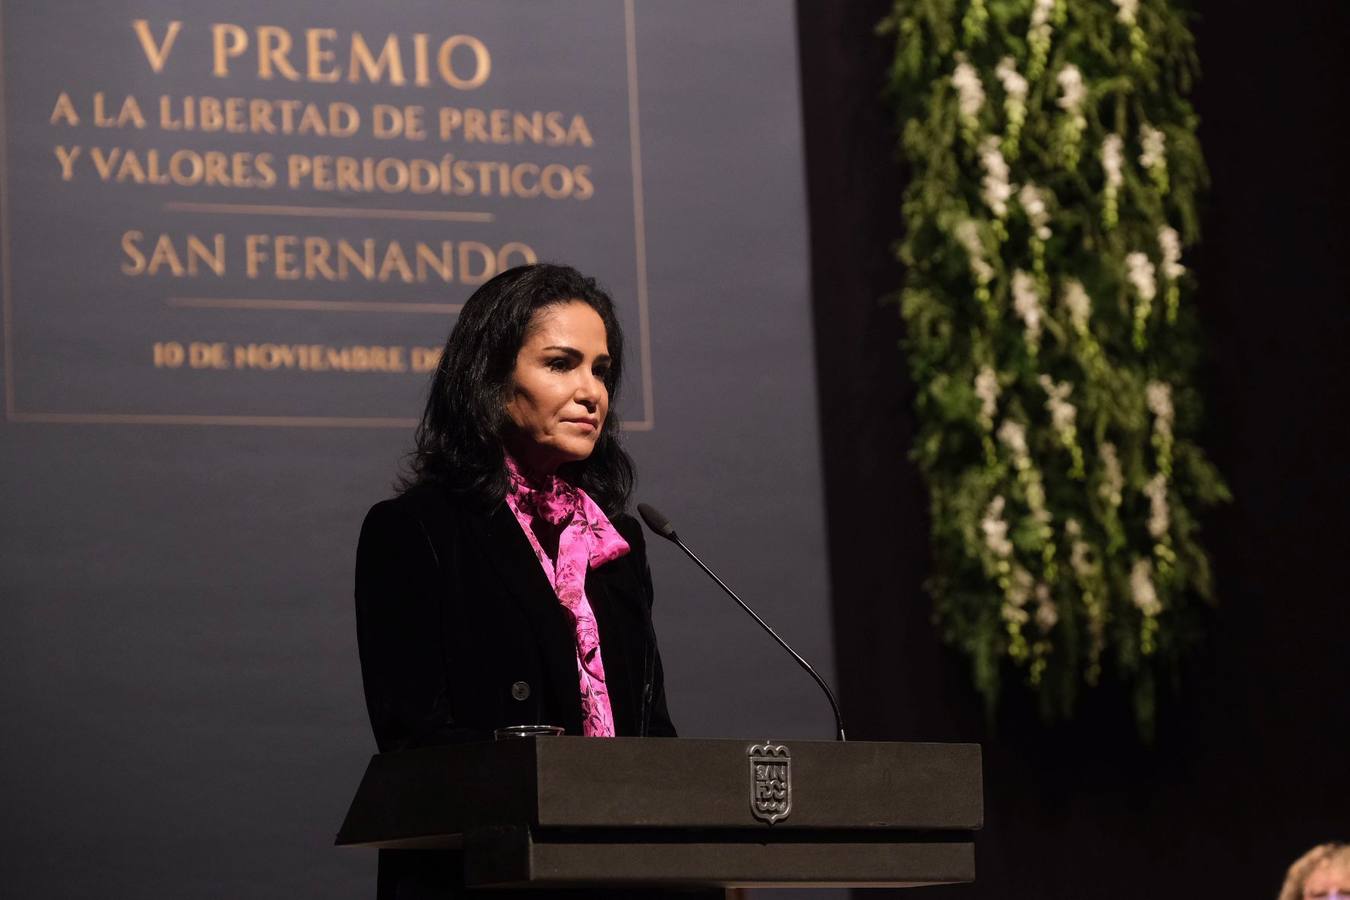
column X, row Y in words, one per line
column 218, row 315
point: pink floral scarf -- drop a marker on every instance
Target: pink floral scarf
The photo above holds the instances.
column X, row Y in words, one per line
column 587, row 540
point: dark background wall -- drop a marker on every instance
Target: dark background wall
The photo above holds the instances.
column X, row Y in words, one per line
column 1250, row 763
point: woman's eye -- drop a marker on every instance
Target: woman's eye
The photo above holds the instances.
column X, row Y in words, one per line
column 602, row 373
column 559, row 364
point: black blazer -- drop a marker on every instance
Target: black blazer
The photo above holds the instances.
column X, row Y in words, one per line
column 460, row 633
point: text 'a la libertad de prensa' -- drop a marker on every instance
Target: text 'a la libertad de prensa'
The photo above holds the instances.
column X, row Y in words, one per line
column 338, row 119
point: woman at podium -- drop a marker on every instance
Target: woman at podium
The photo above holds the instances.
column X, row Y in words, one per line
column 504, row 586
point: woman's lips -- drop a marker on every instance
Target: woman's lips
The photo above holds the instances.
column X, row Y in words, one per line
column 588, row 424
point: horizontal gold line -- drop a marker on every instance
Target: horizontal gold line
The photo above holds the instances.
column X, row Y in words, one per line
column 279, row 421
column 318, row 305
column 175, row 419
column 329, row 212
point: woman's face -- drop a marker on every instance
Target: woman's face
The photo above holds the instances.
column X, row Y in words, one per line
column 557, row 399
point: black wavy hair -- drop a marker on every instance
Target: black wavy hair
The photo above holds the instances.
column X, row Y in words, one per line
column 459, row 440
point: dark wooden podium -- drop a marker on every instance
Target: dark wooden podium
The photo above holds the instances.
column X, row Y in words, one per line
column 570, row 812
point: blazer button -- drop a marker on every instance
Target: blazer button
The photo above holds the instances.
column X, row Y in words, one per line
column 520, row 690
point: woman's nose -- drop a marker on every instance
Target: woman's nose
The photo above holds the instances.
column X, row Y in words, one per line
column 589, row 391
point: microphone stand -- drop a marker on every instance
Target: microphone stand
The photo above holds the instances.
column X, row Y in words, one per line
column 661, row 525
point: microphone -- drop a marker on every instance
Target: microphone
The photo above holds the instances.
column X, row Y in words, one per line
column 660, row 525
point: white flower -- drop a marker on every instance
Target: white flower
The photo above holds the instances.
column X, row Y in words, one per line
column 986, row 388
column 967, row 234
column 1154, row 143
column 1140, row 272
column 1016, row 594
column 1159, row 397
column 1158, row 514
column 1020, row 587
column 1142, row 591
column 1040, row 12
column 1169, row 242
column 1046, row 612
column 1014, row 85
column 1063, row 414
column 969, row 90
column 1080, row 553
column 1080, row 560
column 1079, row 303
column 1073, row 91
column 996, row 530
column 1027, row 303
column 996, row 189
column 1014, row 434
column 1113, row 480
column 1113, row 160
column 1073, row 94
column 1015, row 97
column 1033, row 203
column 1126, row 11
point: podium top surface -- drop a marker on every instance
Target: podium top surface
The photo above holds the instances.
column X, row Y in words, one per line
column 420, row 797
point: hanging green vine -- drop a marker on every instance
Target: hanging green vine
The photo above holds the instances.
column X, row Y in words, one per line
column 1054, row 171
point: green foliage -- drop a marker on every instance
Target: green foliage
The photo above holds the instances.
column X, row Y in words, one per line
column 1055, row 170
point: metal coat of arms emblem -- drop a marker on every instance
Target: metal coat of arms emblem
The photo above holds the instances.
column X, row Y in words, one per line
column 770, row 781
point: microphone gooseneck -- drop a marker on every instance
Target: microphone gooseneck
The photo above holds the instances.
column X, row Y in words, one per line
column 660, row 525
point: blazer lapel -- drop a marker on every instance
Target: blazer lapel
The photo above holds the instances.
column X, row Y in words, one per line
column 511, row 555
column 619, row 649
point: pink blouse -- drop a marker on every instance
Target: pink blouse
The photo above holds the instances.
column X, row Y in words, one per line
column 587, row 540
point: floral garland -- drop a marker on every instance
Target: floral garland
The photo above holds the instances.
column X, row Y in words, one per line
column 1055, row 168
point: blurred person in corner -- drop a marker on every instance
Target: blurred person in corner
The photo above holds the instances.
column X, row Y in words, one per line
column 1323, row 873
